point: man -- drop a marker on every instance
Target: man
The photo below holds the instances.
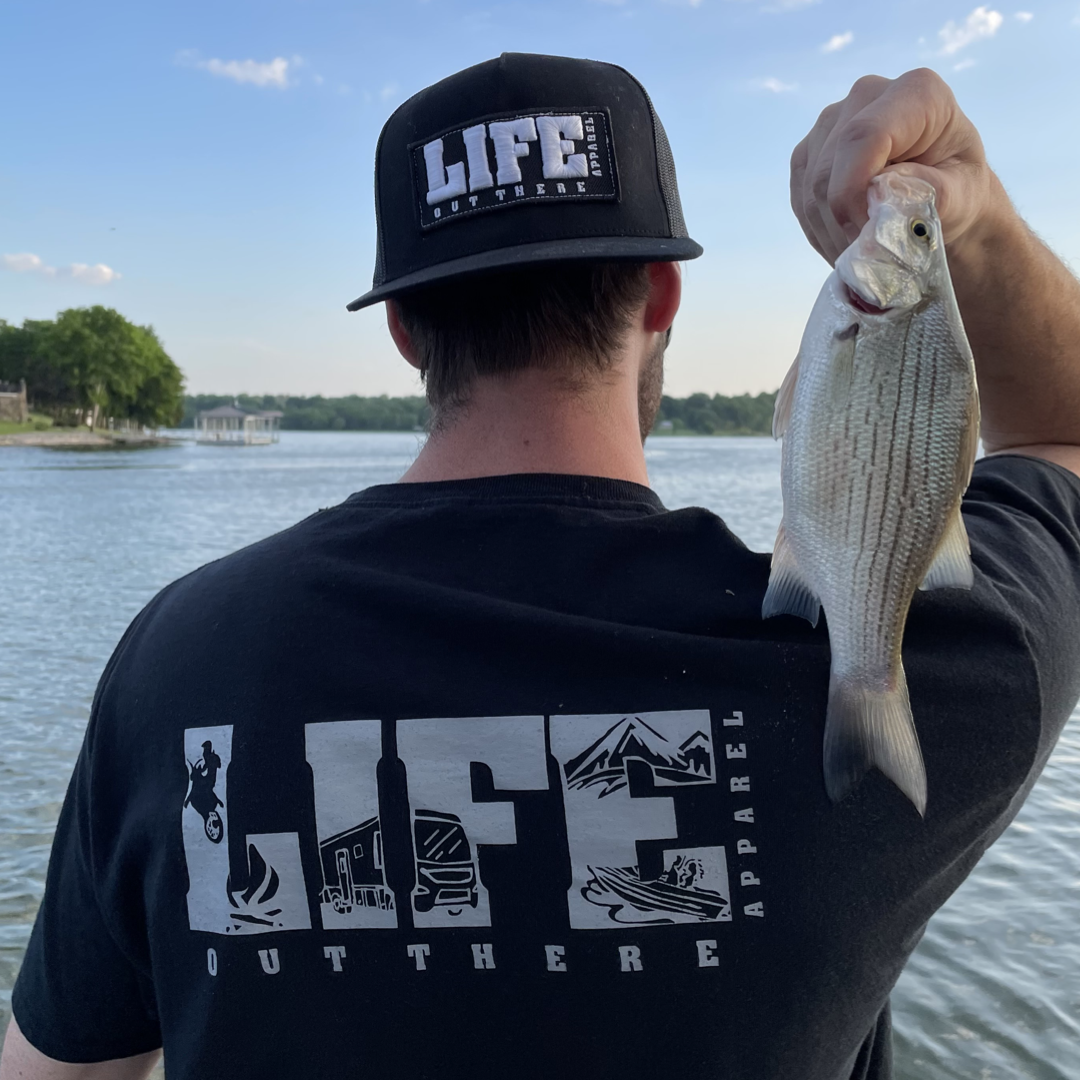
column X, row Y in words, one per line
column 523, row 785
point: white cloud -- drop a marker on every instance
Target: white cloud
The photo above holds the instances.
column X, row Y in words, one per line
column 26, row 263
column 98, row 274
column 319, row 80
column 388, row 91
column 775, row 85
column 981, row 23
column 271, row 73
column 789, row 5
column 838, row 42
column 1024, row 16
column 964, row 64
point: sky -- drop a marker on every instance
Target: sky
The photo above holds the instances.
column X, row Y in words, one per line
column 206, row 167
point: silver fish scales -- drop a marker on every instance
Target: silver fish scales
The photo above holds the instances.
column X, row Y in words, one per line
column 880, row 418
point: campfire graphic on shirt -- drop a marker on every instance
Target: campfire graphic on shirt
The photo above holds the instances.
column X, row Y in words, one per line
column 254, row 901
column 605, row 821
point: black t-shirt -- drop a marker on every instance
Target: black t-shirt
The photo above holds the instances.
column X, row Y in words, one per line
column 508, row 778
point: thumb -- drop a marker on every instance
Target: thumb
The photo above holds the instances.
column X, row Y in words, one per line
column 957, row 192
column 934, row 177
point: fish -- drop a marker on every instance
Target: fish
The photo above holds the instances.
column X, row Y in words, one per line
column 879, row 417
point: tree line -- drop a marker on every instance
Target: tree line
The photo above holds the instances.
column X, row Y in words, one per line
column 92, row 366
column 353, row 413
column 698, row 414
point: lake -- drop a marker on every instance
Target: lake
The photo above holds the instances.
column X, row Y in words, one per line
column 86, row 539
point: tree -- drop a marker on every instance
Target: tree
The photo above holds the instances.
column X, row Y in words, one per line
column 92, row 364
column 159, row 400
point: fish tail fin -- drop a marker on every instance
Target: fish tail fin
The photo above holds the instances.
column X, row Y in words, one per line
column 864, row 728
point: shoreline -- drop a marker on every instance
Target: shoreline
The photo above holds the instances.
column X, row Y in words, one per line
column 87, row 440
column 122, row 440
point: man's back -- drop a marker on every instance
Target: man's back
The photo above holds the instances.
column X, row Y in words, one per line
column 514, row 779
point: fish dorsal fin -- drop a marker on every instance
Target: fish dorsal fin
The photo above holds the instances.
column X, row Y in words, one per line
column 788, row 592
column 784, row 397
column 951, row 568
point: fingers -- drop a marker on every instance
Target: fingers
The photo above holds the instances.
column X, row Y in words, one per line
column 910, row 117
column 881, row 123
column 811, row 167
column 803, row 209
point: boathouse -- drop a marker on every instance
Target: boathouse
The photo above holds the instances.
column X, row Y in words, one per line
column 228, row 425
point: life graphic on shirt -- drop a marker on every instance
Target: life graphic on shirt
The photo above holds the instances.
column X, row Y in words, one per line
column 269, row 894
column 626, row 812
column 344, row 757
column 602, row 759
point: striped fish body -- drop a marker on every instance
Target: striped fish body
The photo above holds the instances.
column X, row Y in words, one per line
column 879, row 418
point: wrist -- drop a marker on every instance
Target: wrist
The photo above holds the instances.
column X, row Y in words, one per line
column 995, row 228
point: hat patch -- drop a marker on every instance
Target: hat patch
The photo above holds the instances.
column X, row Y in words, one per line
column 496, row 163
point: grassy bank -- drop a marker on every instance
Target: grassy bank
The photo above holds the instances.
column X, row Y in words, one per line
column 35, row 423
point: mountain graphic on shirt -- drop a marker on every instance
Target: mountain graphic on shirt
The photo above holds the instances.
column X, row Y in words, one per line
column 603, row 763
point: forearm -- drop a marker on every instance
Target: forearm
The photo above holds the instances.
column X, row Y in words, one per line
column 22, row 1061
column 1021, row 310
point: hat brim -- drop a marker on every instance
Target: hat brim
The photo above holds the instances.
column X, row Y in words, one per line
column 591, row 248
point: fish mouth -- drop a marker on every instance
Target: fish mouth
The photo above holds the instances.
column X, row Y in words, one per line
column 859, row 304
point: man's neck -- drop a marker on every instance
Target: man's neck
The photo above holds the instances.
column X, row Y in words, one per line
column 531, row 423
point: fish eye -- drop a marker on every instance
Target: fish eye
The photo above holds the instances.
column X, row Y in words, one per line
column 920, row 229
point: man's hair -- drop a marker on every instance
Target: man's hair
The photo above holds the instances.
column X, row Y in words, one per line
column 569, row 317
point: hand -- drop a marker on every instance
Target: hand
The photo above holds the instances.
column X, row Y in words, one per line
column 911, row 125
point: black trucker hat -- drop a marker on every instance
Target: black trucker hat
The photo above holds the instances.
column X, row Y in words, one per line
column 522, row 160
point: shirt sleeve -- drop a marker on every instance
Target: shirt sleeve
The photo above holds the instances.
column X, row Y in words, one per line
column 1023, row 520
column 80, row 997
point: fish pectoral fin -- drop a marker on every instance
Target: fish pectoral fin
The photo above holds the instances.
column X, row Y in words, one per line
column 951, row 568
column 864, row 728
column 788, row 592
column 784, row 397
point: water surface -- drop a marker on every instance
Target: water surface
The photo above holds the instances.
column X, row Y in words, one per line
column 86, row 539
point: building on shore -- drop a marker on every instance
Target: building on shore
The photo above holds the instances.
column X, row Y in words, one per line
column 228, row 425
column 13, row 407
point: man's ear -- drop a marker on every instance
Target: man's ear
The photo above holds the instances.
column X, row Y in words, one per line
column 665, row 294
column 400, row 334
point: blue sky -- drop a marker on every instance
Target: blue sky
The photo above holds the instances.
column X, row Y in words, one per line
column 207, row 167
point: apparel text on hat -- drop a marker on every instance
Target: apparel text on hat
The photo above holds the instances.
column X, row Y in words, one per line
column 566, row 171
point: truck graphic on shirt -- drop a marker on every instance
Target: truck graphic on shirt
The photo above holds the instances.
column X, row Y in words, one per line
column 445, row 871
